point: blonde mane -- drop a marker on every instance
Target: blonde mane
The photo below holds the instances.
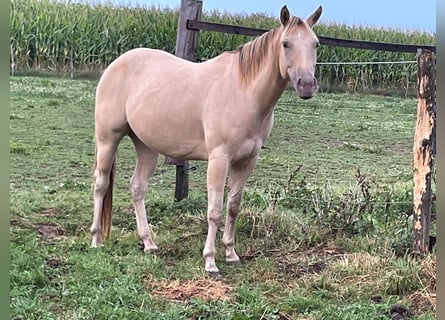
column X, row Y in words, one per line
column 252, row 54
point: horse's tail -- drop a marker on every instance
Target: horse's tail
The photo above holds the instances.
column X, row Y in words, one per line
column 105, row 220
column 105, row 217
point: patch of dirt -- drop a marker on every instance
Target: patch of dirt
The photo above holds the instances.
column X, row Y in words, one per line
column 183, row 290
column 54, row 262
column 299, row 267
column 48, row 229
column 297, row 263
column 399, row 312
column 376, row 299
column 14, row 223
column 305, row 262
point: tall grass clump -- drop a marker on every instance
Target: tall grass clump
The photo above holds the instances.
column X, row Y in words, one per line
column 61, row 36
column 365, row 208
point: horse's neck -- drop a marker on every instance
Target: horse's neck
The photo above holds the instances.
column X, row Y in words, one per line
column 268, row 85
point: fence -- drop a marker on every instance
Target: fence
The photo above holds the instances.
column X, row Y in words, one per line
column 189, row 26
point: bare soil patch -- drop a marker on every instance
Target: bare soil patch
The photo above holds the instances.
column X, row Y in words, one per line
column 309, row 261
column 48, row 229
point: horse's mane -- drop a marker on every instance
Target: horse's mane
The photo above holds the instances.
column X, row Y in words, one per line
column 252, row 54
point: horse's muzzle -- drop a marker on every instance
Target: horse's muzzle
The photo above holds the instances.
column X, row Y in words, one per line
column 306, row 86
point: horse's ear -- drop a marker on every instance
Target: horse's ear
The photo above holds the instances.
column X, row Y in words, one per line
column 284, row 15
column 313, row 18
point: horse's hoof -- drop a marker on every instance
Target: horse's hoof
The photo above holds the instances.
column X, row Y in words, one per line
column 234, row 262
column 96, row 245
column 214, row 275
column 150, row 251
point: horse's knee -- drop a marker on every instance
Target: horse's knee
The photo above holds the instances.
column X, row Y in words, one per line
column 233, row 205
column 143, row 232
column 95, row 231
column 137, row 190
column 101, row 183
column 214, row 216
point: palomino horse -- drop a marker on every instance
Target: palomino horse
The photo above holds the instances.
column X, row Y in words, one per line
column 220, row 110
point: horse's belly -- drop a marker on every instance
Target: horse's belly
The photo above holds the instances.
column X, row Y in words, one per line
column 180, row 149
column 179, row 140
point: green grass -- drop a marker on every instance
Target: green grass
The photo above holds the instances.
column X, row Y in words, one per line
column 314, row 244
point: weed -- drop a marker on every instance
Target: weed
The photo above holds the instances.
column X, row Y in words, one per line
column 18, row 148
column 14, row 116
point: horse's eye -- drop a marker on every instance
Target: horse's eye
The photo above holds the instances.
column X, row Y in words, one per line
column 285, row 44
column 317, row 44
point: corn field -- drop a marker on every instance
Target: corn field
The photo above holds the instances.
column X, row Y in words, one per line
column 65, row 36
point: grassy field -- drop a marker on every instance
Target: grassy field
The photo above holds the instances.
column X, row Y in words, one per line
column 324, row 231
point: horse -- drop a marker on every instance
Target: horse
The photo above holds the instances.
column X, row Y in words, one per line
column 220, row 111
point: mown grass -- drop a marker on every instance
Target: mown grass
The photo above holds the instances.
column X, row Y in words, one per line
column 324, row 232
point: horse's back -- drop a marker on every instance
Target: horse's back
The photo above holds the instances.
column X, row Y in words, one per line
column 152, row 93
column 131, row 76
column 135, row 68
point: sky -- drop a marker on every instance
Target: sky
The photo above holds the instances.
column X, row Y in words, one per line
column 394, row 14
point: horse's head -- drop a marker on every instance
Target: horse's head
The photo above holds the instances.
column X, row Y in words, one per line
column 298, row 52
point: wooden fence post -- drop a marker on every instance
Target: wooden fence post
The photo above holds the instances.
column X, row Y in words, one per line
column 422, row 151
column 186, row 39
column 186, row 48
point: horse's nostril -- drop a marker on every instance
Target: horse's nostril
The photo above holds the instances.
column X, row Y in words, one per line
column 302, row 82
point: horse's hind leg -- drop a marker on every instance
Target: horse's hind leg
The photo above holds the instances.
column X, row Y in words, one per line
column 105, row 151
column 238, row 175
column 145, row 165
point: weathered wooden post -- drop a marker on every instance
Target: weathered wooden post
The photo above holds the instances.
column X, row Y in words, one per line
column 186, row 48
column 186, row 39
column 422, row 151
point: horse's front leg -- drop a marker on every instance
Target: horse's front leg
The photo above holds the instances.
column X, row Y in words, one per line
column 238, row 175
column 145, row 166
column 216, row 178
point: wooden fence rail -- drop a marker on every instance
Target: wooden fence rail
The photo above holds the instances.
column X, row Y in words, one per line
column 335, row 42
